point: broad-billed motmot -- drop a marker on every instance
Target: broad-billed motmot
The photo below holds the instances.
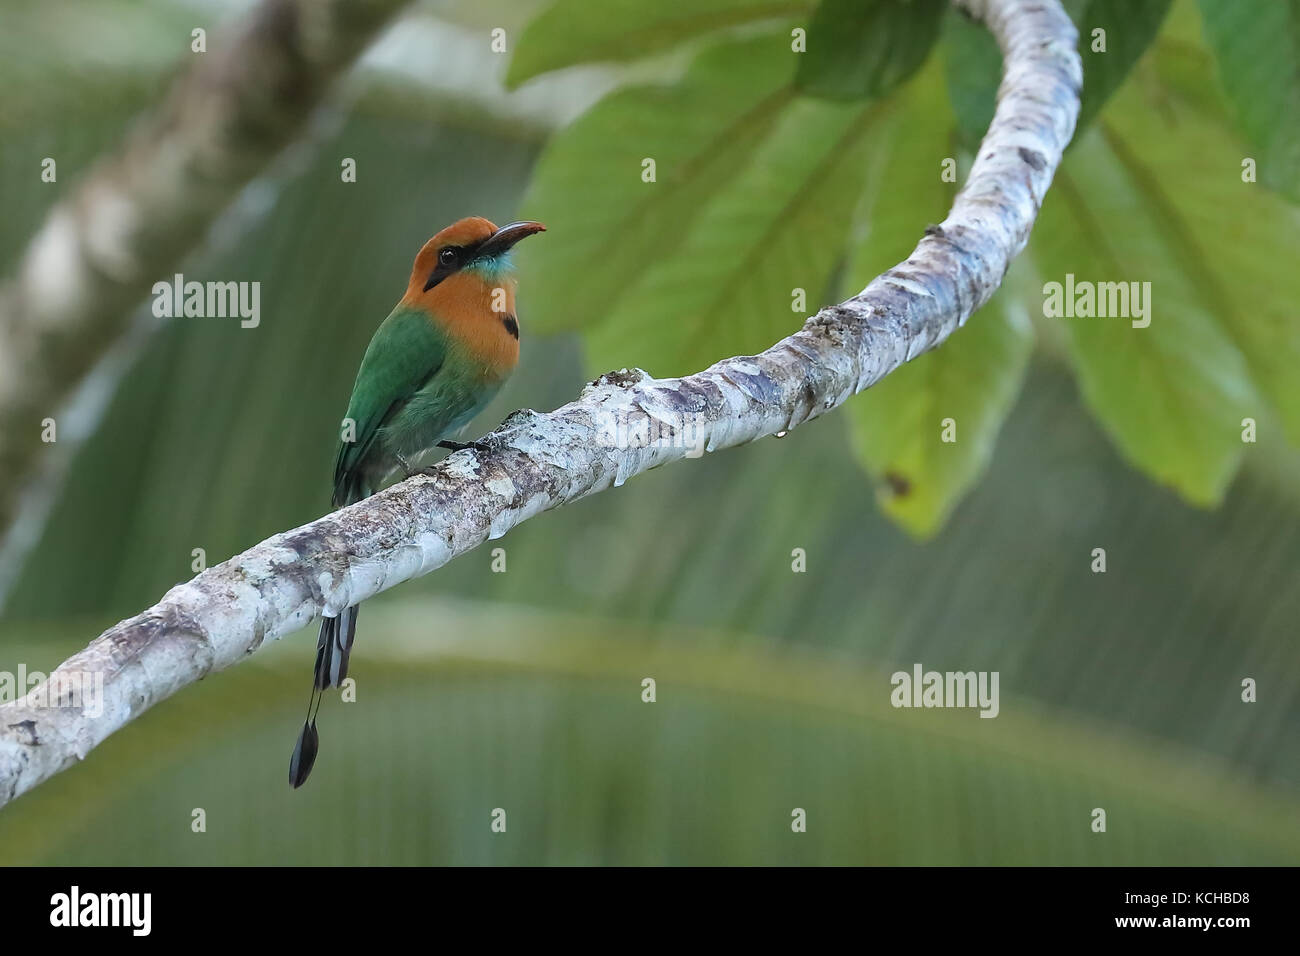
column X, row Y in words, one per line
column 431, row 366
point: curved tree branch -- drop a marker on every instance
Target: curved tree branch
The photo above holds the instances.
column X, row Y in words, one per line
column 139, row 211
column 534, row 462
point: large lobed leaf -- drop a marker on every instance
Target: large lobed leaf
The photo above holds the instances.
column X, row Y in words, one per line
column 747, row 205
column 1257, row 46
column 778, row 225
column 1157, row 196
column 1126, row 27
column 864, row 48
column 570, row 32
column 588, row 184
column 1170, row 394
column 1113, row 34
column 750, row 205
column 1238, row 241
column 973, row 64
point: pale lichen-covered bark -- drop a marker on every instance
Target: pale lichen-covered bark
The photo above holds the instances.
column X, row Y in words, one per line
column 534, row 462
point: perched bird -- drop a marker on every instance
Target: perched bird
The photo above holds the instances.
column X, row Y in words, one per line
column 431, row 366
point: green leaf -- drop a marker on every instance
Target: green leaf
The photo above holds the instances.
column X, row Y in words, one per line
column 895, row 427
column 974, row 64
column 729, row 284
column 1130, row 26
column 1237, row 241
column 1257, row 46
column 864, row 48
column 569, row 32
column 589, row 189
column 1172, row 394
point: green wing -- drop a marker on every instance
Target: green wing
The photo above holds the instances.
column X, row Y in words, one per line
column 406, row 351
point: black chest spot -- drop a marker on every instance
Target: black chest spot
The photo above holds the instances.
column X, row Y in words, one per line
column 511, row 325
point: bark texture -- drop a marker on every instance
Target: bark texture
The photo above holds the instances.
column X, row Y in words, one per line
column 535, row 461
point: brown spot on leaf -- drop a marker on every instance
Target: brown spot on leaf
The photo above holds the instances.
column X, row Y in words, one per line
column 899, row 486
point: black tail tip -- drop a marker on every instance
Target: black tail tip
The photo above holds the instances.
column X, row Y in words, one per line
column 304, row 755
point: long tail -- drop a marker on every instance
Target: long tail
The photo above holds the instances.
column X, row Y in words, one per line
column 333, row 649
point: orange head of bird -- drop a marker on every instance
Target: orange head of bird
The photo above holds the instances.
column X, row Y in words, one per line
column 473, row 246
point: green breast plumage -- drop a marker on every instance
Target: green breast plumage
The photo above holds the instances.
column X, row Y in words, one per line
column 415, row 387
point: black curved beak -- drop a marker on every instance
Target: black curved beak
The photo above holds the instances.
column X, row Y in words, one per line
column 504, row 238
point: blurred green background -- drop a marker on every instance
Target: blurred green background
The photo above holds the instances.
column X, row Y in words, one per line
column 522, row 690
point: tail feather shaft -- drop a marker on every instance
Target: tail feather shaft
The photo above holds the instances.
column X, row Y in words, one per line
column 333, row 648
